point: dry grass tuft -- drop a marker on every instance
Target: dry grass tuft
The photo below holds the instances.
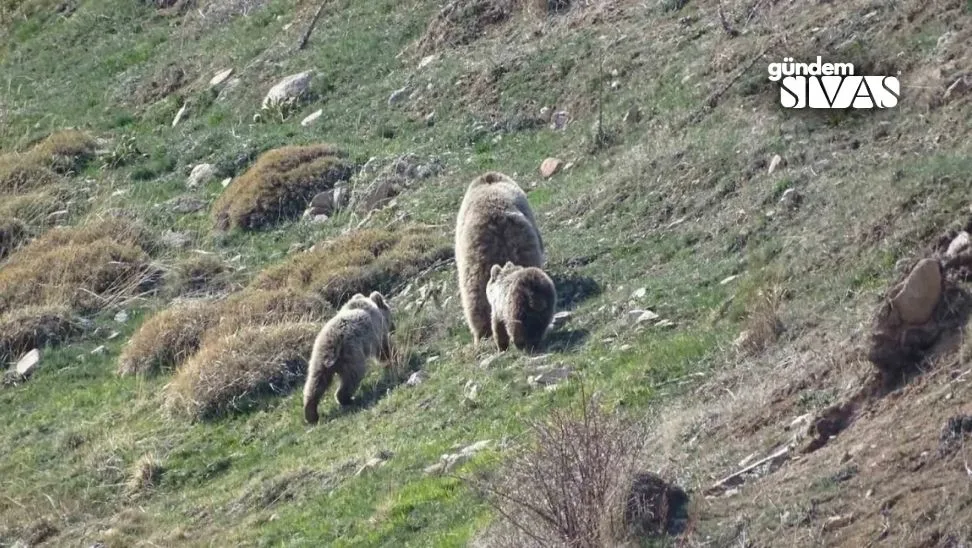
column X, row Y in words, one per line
column 763, row 324
column 63, row 152
column 145, row 475
column 363, row 261
column 279, row 186
column 85, row 267
column 570, row 487
column 13, row 232
column 33, row 208
column 169, row 338
column 199, row 274
column 234, row 372
column 35, row 327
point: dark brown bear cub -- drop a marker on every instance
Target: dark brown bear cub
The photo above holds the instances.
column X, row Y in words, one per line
column 522, row 300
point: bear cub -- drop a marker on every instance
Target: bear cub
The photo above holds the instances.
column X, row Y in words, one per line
column 522, row 301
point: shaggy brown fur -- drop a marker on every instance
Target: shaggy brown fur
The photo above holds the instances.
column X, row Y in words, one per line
column 359, row 331
column 522, row 302
column 495, row 225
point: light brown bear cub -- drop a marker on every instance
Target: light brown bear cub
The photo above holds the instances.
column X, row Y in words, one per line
column 522, row 302
column 495, row 225
column 359, row 331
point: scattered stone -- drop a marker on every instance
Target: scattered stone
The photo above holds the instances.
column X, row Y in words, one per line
column 774, row 163
column 639, row 293
column 415, row 379
column 545, row 114
column 470, row 391
column 114, row 335
column 550, row 167
column 311, row 118
column 549, row 378
column 398, row 96
column 665, row 323
column 642, row 316
column 288, row 90
column 28, row 363
column 177, row 240
column 729, row 279
column 221, row 77
column 560, row 318
column 226, row 182
column 836, row 522
column 121, row 316
column 449, row 461
column 791, row 198
column 560, row 119
column 430, row 119
column 179, row 115
column 185, row 204
column 435, row 469
column 318, row 219
column 919, row 293
column 959, row 244
column 374, row 462
column 632, row 116
column 960, row 86
column 99, row 350
column 200, row 175
column 427, row 60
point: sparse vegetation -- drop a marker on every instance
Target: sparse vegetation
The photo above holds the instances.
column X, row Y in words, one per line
column 35, row 327
column 279, row 186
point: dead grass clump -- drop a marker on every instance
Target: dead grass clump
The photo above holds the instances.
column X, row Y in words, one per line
column 33, row 208
column 200, row 274
column 65, row 151
column 461, row 22
column 17, row 174
column 13, row 232
column 168, row 338
column 570, row 487
column 279, row 186
column 86, row 268
column 145, row 475
column 35, row 327
column 359, row 262
column 235, row 372
column 173, row 336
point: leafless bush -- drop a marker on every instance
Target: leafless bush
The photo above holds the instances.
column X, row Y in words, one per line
column 571, row 486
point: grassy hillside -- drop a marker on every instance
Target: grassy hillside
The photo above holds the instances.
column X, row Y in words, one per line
column 767, row 238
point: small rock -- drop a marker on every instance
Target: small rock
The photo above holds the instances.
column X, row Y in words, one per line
column 226, row 182
column 121, row 316
column 774, row 163
column 200, row 175
column 220, row 77
column 430, row 119
column 474, row 448
column 743, row 339
column 545, row 114
column 560, row 119
column 665, row 323
column 288, row 90
column 470, row 391
column 177, row 240
column 836, row 522
column 791, row 198
column 311, row 118
column 58, row 215
column 318, row 219
column 632, row 116
column 549, row 378
column 487, row 361
column 624, row 347
column 920, row 292
column 959, row 244
column 641, row 316
column 436, row 468
column 415, row 379
column 374, row 462
column 323, row 202
column 560, row 318
column 550, row 167
column 729, row 279
column 99, row 350
column 186, row 204
column 28, row 363
column 179, row 115
column 114, row 335
column 639, row 293
column 427, row 60
column 398, row 96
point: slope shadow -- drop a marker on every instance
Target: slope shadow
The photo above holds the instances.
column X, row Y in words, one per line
column 573, row 289
column 563, row 340
column 370, row 394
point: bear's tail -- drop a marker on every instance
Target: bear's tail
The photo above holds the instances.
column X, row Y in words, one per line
column 319, row 378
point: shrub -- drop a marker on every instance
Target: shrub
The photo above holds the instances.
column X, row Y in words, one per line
column 85, row 268
column 360, row 262
column 279, row 186
column 199, row 274
column 234, row 372
column 35, row 327
column 569, row 488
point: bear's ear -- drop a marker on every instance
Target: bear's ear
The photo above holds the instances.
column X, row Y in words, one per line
column 379, row 300
column 494, row 271
column 509, row 264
